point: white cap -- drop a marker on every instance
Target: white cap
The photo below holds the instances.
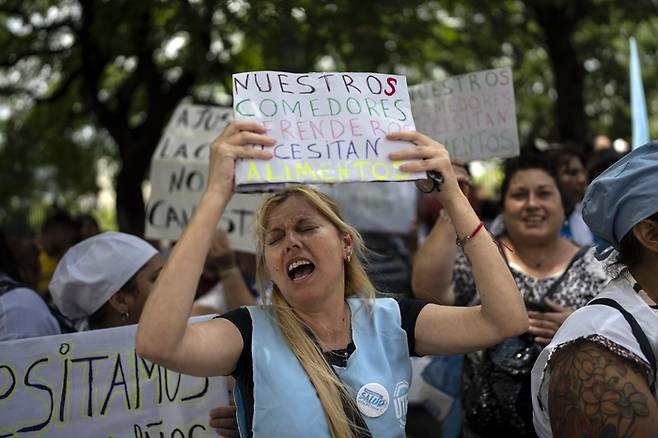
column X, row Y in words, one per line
column 94, row 269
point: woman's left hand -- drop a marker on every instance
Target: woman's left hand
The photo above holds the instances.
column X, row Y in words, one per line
column 426, row 155
column 543, row 325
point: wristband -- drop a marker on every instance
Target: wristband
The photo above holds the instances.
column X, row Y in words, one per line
column 461, row 242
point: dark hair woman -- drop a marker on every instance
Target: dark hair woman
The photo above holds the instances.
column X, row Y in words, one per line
column 553, row 274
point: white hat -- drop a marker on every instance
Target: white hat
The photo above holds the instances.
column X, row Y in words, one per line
column 91, row 272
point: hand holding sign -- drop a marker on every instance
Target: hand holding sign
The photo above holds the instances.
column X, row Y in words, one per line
column 231, row 145
column 427, row 155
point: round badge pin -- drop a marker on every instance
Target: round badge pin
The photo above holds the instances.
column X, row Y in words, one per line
column 372, row 400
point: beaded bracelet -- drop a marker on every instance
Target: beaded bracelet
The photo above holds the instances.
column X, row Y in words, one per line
column 461, row 242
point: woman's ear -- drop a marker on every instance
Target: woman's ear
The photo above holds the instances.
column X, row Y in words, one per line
column 120, row 302
column 347, row 245
column 646, row 232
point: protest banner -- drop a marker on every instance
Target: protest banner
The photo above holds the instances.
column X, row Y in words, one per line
column 93, row 384
column 472, row 115
column 377, row 207
column 329, row 127
column 179, row 171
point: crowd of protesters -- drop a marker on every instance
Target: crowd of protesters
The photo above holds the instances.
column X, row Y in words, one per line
column 466, row 301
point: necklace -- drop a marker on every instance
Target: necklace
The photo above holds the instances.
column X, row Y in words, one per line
column 339, row 357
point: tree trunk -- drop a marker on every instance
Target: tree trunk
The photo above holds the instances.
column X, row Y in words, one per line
column 130, row 205
column 136, row 143
column 558, row 21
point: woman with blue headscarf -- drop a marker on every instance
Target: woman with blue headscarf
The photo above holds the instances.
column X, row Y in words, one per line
column 598, row 375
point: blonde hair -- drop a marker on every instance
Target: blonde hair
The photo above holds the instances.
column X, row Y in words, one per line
column 331, row 391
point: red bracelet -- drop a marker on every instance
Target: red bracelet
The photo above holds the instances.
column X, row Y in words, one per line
column 461, row 242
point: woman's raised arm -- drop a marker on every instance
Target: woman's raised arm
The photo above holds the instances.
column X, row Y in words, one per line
column 450, row 330
column 432, row 272
column 163, row 335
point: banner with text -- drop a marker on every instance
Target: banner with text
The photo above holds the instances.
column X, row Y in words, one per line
column 93, row 384
column 179, row 171
column 473, row 115
column 329, row 127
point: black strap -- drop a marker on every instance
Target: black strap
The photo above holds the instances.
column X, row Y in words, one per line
column 641, row 338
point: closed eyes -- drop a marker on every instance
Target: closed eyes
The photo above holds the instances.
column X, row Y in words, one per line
column 301, row 227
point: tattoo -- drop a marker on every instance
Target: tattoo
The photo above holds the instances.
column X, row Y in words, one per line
column 590, row 393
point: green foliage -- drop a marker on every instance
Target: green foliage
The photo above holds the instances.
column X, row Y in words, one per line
column 48, row 156
column 94, row 78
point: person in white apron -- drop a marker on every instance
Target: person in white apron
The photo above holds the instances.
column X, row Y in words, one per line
column 104, row 281
column 597, row 377
column 325, row 359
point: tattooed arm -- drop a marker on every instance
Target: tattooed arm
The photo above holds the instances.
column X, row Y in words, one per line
column 594, row 392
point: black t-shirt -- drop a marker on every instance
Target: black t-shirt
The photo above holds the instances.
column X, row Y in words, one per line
column 244, row 373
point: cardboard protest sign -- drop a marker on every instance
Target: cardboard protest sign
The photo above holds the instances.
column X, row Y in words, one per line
column 92, row 384
column 379, row 208
column 329, row 127
column 179, row 171
column 472, row 115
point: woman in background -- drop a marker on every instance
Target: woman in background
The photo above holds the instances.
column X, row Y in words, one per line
column 554, row 275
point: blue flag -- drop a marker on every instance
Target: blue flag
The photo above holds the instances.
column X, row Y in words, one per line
column 639, row 118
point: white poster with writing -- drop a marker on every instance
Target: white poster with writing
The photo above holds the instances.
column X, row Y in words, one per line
column 92, row 384
column 377, row 207
column 472, row 115
column 179, row 171
column 329, row 127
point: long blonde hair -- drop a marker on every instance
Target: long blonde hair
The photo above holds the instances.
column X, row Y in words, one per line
column 331, row 391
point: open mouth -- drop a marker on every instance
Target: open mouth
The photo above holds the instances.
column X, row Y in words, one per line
column 300, row 269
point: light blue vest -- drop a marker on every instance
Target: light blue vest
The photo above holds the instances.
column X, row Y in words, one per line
column 285, row 401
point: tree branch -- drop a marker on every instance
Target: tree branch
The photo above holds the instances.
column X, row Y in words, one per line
column 12, row 59
column 93, row 64
column 57, row 25
column 10, row 90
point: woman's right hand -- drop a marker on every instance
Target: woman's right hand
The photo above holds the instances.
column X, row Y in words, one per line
column 231, row 144
column 544, row 325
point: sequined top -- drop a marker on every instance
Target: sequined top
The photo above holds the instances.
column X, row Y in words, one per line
column 583, row 281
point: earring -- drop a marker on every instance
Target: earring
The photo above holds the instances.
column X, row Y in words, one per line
column 348, row 257
column 125, row 316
